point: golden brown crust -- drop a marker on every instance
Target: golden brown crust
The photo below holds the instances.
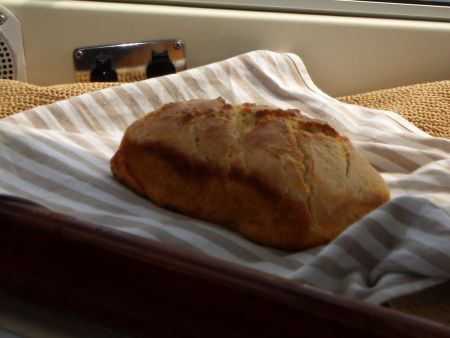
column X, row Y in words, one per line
column 277, row 178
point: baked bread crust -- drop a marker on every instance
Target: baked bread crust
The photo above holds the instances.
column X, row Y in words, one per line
column 279, row 179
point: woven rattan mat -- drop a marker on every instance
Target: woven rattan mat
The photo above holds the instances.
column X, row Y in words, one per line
column 425, row 105
column 16, row 96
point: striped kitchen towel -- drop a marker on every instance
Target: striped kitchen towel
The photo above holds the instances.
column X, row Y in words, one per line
column 58, row 155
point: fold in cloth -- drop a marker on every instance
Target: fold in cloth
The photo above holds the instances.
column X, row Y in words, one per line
column 58, row 155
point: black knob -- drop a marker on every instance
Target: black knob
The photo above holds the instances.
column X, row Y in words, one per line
column 160, row 65
column 103, row 71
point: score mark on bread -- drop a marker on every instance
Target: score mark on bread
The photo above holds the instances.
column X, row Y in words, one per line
column 277, row 178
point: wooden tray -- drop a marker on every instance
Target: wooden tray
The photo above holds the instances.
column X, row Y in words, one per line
column 148, row 289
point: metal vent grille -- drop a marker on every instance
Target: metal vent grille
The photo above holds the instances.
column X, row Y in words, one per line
column 7, row 69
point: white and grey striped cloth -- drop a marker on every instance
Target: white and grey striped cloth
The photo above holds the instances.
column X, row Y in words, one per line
column 58, row 155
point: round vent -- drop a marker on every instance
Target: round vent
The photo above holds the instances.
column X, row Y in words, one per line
column 7, row 69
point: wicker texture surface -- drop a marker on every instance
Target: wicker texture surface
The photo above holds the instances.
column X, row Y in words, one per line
column 426, row 105
column 17, row 96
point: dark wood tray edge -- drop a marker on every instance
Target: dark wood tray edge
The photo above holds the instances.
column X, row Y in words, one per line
column 38, row 246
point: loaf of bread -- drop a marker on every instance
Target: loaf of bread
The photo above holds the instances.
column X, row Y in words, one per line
column 279, row 179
